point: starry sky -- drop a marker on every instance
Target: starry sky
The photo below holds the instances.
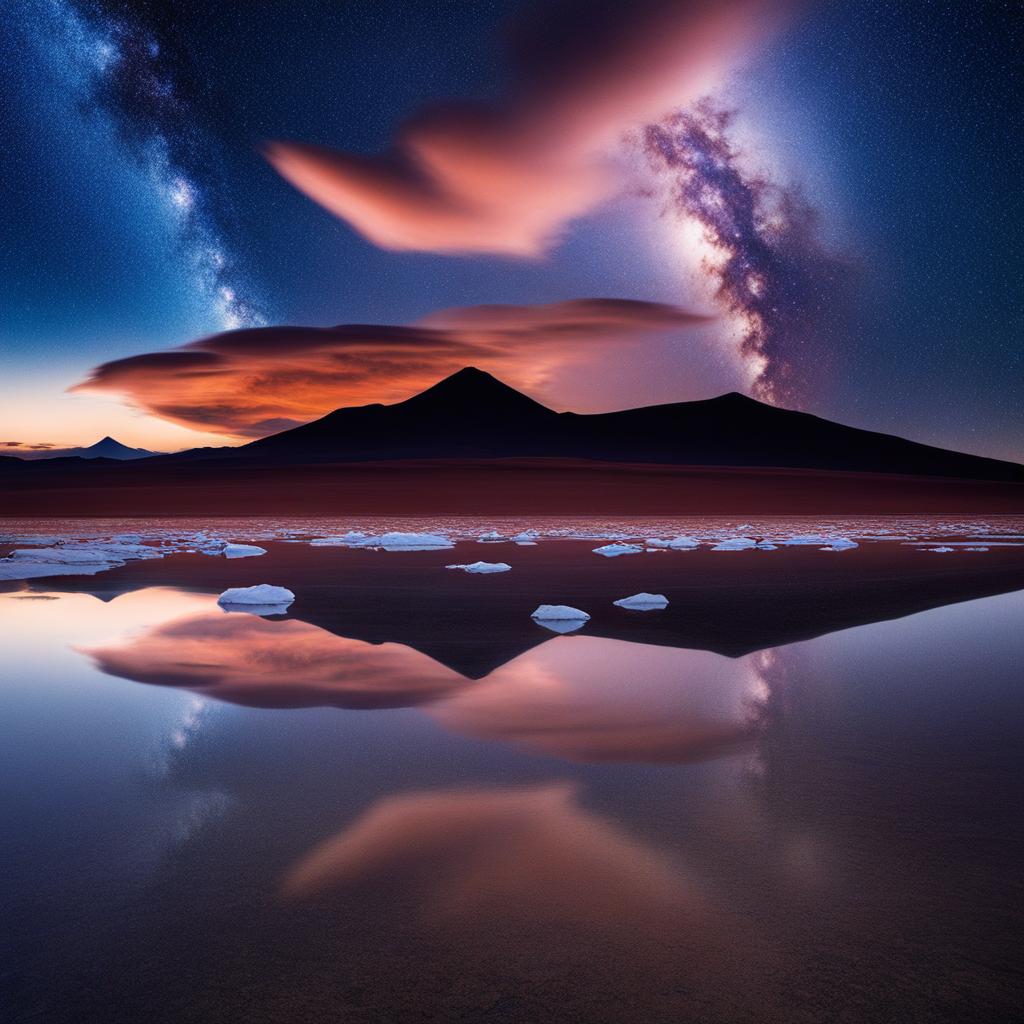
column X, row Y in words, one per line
column 223, row 219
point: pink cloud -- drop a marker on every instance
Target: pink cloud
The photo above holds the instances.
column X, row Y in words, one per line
column 257, row 381
column 463, row 178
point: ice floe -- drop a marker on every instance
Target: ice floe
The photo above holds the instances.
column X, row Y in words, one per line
column 23, row 569
column 559, row 612
column 352, row 539
column 261, row 599
column 243, row 550
column 943, row 550
column 89, row 547
column 643, row 602
column 410, row 541
column 559, row 618
column 591, row 534
column 77, row 559
column 614, row 550
column 683, row 543
column 482, row 567
column 61, row 555
column 680, row 543
column 393, row 541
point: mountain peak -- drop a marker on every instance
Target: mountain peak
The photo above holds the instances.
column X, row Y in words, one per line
column 472, row 388
column 468, row 378
column 472, row 415
column 108, row 442
column 110, row 448
column 735, row 398
column 472, row 374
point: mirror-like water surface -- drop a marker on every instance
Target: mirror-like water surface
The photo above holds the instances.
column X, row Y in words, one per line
column 792, row 795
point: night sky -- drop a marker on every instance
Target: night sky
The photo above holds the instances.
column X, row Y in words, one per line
column 826, row 217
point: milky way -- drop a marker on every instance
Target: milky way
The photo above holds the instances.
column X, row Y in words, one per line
column 123, row 74
column 787, row 295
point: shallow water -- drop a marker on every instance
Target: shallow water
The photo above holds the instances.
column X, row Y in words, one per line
column 791, row 795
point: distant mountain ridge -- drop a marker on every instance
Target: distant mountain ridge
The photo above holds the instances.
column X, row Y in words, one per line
column 471, row 414
column 106, row 448
column 472, row 445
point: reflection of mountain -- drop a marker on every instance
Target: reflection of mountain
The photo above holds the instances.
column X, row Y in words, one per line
column 579, row 698
column 740, row 618
column 863, row 849
column 729, row 603
column 416, row 635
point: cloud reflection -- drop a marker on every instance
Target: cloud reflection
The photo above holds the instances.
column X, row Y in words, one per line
column 583, row 699
column 592, row 699
column 527, row 855
column 259, row 663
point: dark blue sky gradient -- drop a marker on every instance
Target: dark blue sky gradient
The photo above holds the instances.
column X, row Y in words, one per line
column 902, row 122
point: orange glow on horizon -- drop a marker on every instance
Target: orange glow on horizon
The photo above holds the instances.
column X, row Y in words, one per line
column 249, row 383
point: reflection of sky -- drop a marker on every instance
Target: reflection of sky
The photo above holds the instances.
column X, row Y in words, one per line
column 96, row 764
column 831, row 833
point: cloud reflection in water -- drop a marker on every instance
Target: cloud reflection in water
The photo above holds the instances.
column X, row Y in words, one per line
column 526, row 855
column 257, row 662
column 593, row 699
column 579, row 698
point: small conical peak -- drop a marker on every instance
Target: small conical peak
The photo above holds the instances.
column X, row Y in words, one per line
column 472, row 386
column 469, row 377
column 108, row 443
column 470, row 373
column 736, row 399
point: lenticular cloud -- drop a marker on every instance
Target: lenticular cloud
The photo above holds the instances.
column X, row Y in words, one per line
column 254, row 382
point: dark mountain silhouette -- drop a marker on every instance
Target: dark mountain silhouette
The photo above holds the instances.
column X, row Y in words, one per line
column 107, row 448
column 473, row 445
column 469, row 414
column 110, row 448
column 473, row 415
